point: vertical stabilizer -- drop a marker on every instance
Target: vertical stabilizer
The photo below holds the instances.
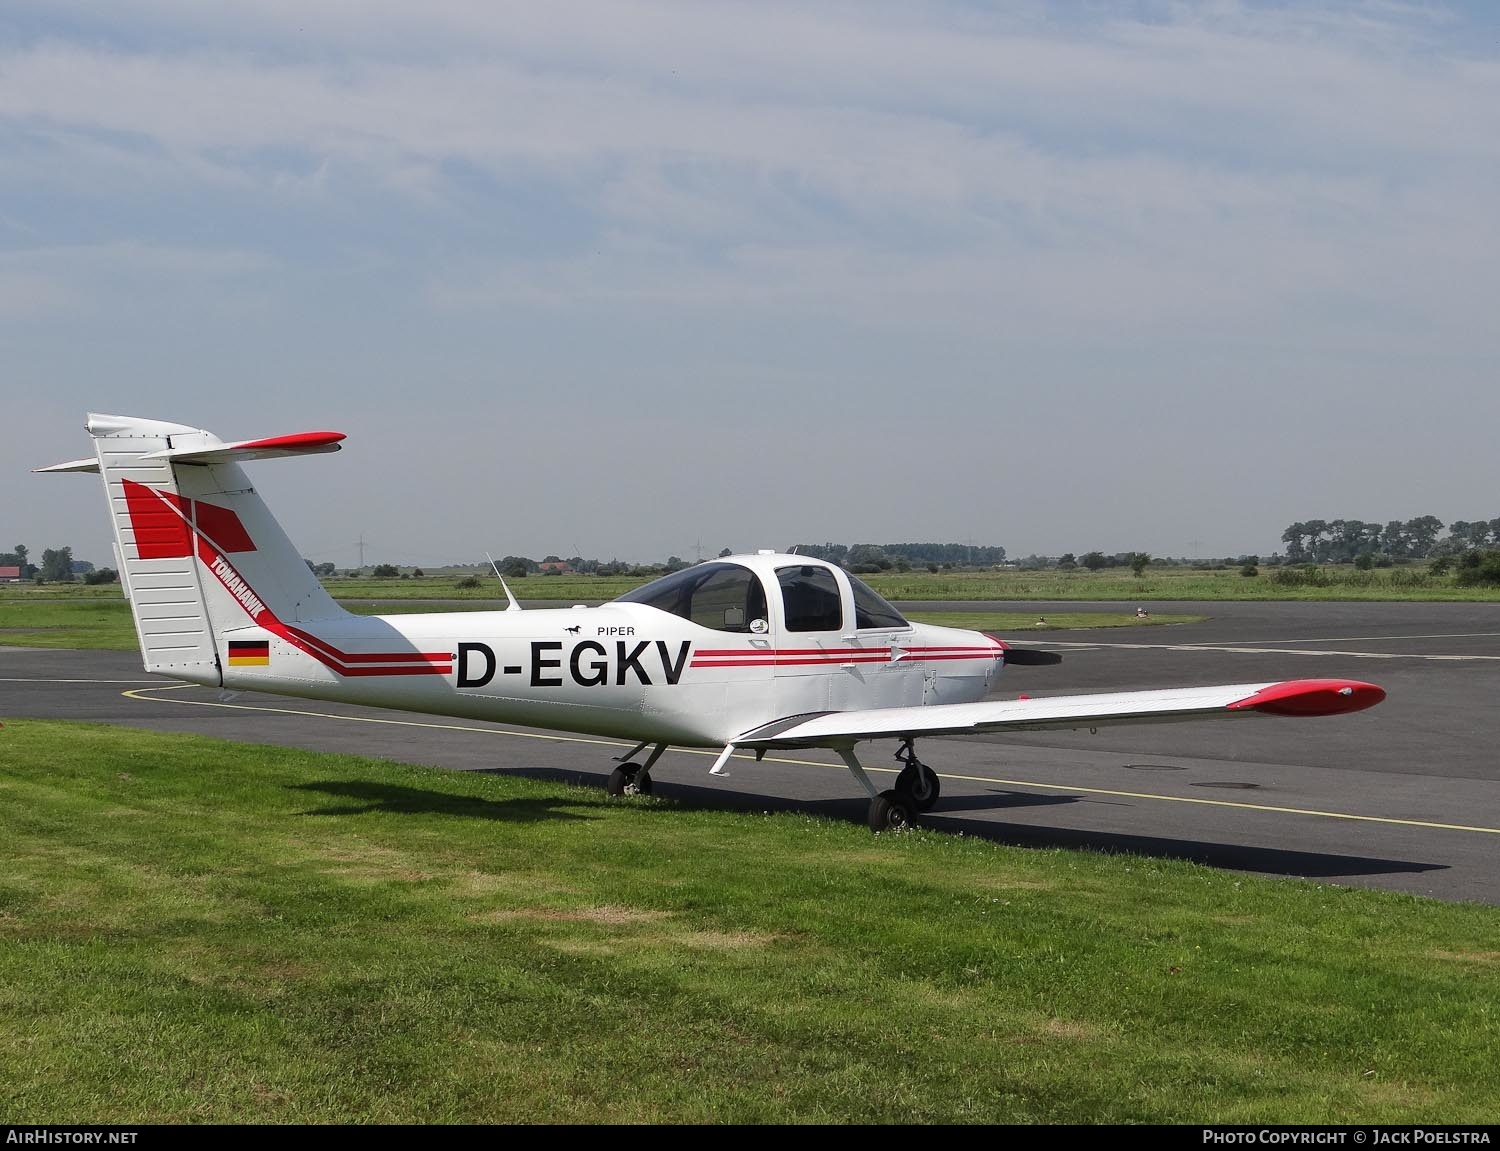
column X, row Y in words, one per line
column 200, row 554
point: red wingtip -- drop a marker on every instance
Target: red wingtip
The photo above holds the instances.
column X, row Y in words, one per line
column 1312, row 697
column 295, row 441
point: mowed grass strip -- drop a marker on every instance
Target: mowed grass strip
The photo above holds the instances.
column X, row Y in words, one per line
column 103, row 623
column 1408, row 582
column 197, row 930
column 87, row 621
column 1009, row 623
column 1333, row 582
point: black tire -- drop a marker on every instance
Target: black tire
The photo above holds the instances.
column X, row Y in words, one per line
column 628, row 779
column 921, row 786
column 890, row 811
column 621, row 779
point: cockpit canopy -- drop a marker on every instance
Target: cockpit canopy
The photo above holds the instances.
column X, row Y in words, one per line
column 731, row 597
column 725, row 597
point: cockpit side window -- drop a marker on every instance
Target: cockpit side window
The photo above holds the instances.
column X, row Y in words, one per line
column 810, row 596
column 871, row 608
column 725, row 597
column 729, row 600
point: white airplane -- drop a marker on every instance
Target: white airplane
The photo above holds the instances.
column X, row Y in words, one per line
column 752, row 652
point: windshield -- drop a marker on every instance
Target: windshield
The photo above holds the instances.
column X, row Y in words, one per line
column 725, row 597
column 871, row 609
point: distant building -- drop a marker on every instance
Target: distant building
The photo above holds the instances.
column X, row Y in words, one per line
column 555, row 567
column 10, row 575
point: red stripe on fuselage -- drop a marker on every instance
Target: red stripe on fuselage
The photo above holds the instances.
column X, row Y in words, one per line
column 372, row 657
column 797, row 661
column 840, row 652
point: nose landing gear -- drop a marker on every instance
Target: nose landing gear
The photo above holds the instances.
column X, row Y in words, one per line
column 917, row 781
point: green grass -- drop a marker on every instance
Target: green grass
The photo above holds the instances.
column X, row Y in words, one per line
column 192, row 930
column 1409, row 582
column 567, row 588
column 1335, row 582
column 1017, row 622
column 1412, row 582
column 99, row 623
column 56, row 615
column 974, row 620
column 49, row 620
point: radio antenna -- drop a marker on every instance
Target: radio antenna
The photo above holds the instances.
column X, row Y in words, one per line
column 513, row 605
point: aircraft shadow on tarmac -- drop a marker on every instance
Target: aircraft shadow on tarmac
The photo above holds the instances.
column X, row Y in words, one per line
column 1002, row 797
column 418, row 801
column 1230, row 856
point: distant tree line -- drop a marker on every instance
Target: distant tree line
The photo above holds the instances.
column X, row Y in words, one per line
column 1466, row 548
column 855, row 558
column 518, row 567
column 57, row 566
column 868, row 558
column 1346, row 541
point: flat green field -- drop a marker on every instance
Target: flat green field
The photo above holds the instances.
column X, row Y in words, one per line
column 193, row 930
column 1332, row 583
column 89, row 621
column 76, row 615
column 1016, row 623
column 43, row 618
column 1411, row 582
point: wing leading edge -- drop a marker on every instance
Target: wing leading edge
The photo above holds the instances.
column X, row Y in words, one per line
column 1295, row 697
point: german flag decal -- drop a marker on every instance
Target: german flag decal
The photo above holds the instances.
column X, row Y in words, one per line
column 249, row 652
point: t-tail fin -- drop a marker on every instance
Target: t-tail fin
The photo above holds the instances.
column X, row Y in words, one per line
column 199, row 552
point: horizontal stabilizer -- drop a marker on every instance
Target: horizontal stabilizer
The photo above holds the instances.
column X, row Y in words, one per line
column 297, row 444
column 1296, row 697
column 88, row 465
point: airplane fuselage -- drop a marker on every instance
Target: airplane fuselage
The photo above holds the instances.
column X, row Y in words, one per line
column 626, row 670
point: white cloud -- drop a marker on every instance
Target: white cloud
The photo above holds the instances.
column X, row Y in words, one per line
column 726, row 196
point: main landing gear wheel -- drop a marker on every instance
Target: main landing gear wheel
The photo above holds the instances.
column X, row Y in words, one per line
column 917, row 782
column 890, row 811
column 628, row 779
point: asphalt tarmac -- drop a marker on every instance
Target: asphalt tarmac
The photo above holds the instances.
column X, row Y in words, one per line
column 1405, row 796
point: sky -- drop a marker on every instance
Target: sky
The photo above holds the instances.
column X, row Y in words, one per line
column 631, row 279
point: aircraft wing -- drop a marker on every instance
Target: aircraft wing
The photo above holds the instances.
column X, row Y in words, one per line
column 1296, row 697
